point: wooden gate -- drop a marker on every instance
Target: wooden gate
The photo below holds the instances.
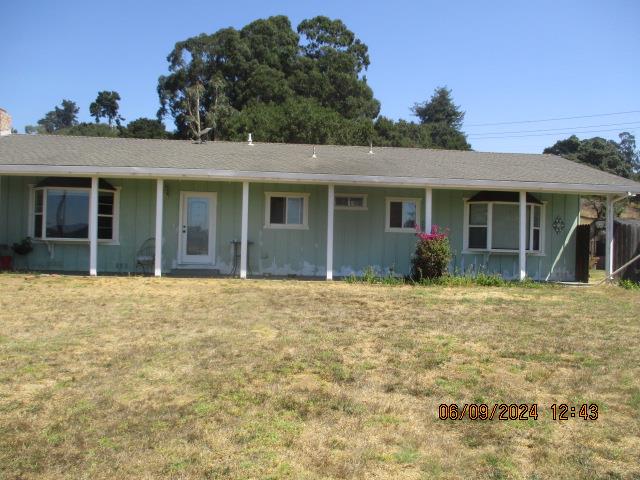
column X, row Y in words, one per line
column 583, row 234
column 626, row 246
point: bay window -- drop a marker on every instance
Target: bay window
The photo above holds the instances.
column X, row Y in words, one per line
column 494, row 226
column 60, row 211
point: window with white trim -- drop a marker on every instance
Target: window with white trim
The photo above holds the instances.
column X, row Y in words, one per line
column 495, row 227
column 402, row 214
column 349, row 201
column 286, row 210
column 60, row 213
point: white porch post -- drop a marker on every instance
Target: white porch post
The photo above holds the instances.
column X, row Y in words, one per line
column 523, row 235
column 330, row 207
column 159, row 210
column 608, row 259
column 93, row 227
column 244, row 230
column 428, row 207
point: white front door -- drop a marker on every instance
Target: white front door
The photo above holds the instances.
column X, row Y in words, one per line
column 197, row 228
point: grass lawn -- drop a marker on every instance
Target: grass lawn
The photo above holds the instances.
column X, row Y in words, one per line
column 201, row 378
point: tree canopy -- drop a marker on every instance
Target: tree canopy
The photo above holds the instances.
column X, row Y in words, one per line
column 444, row 119
column 64, row 116
column 144, row 128
column 302, row 85
column 106, row 106
column 620, row 158
column 85, row 129
column 247, row 75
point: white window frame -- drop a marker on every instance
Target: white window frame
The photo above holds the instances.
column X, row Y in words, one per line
column 287, row 226
column 388, row 228
column 115, row 240
column 530, row 206
column 349, row 196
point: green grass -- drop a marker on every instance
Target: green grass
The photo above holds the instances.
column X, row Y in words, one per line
column 114, row 378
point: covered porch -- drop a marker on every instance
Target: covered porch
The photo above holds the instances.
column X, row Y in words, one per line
column 322, row 230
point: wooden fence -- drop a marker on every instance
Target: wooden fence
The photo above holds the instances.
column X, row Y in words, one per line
column 626, row 246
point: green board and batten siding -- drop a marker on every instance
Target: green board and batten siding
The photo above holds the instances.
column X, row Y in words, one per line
column 360, row 239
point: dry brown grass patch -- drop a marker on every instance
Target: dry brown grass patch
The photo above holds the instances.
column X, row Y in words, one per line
column 198, row 378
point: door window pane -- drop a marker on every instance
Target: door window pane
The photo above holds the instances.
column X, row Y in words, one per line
column 277, row 210
column 197, row 226
column 294, row 210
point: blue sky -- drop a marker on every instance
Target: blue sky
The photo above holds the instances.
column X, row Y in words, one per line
column 505, row 60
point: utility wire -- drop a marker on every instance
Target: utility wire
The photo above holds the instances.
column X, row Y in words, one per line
column 548, row 134
column 554, row 129
column 551, row 119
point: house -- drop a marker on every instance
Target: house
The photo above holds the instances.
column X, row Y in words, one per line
column 289, row 210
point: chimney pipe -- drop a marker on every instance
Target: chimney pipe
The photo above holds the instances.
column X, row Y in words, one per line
column 5, row 123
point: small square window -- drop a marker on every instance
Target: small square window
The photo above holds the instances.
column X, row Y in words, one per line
column 346, row 201
column 402, row 215
column 286, row 211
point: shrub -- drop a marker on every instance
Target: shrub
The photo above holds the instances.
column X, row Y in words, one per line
column 432, row 255
column 629, row 284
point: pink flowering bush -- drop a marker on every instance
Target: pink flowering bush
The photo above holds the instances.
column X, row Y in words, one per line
column 433, row 254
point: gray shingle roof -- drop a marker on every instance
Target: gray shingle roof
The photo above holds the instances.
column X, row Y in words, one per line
column 271, row 159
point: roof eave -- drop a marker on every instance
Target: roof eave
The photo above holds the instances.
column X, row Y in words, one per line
column 323, row 178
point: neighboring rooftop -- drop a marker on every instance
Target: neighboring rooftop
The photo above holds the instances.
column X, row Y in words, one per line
column 235, row 158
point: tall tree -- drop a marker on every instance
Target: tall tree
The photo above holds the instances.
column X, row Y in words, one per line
column 106, row 106
column 263, row 64
column 64, row 116
column 444, row 119
column 439, row 109
column 629, row 152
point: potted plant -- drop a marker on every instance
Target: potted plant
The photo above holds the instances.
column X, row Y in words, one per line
column 24, row 247
column 5, row 257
